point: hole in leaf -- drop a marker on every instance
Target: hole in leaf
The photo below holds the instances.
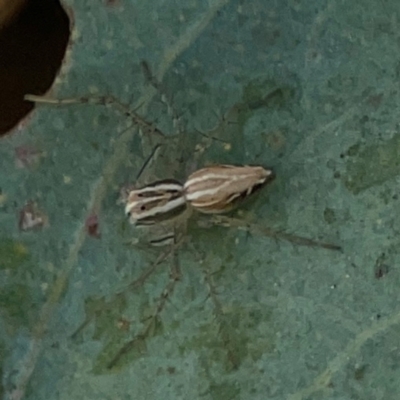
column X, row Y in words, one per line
column 33, row 40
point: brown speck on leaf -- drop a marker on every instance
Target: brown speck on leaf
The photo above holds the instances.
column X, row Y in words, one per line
column 381, row 270
column 359, row 372
column 171, row 370
column 27, row 156
column 31, row 217
column 276, row 140
column 375, row 100
column 123, row 324
column 92, row 226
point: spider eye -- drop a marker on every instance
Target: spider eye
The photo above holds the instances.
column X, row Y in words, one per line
column 128, row 214
column 143, row 208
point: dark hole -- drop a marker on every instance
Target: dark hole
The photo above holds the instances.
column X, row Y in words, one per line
column 32, row 47
column 143, row 207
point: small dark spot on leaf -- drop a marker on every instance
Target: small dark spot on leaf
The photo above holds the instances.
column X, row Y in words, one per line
column 375, row 100
column 95, row 145
column 381, row 268
column 92, row 226
column 359, row 372
column 329, row 215
column 353, row 150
